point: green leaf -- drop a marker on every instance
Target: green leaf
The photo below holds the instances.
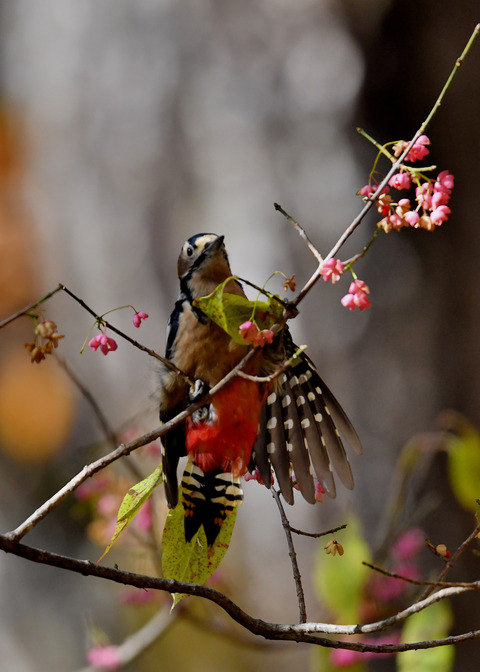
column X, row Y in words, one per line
column 339, row 580
column 229, row 311
column 132, row 503
column 464, row 466
column 193, row 561
column 431, row 623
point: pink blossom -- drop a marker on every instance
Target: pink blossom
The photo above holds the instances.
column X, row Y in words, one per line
column 332, row 269
column 411, row 217
column 424, row 194
column 440, row 214
column 395, row 220
column 370, row 189
column 138, row 317
column 105, row 657
column 251, row 334
column 248, row 331
column 104, row 342
column 440, row 198
column 357, row 296
column 445, row 180
column 263, row 337
column 400, row 181
column 419, row 149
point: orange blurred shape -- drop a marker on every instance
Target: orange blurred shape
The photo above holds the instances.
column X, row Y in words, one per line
column 36, row 408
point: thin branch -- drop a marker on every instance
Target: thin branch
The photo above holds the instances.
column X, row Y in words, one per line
column 301, row 232
column 456, row 67
column 27, row 309
column 303, row 632
column 268, row 379
column 293, row 558
column 317, row 535
column 452, row 560
column 418, row 582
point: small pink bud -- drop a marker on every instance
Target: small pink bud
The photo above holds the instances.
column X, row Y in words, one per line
column 138, row 317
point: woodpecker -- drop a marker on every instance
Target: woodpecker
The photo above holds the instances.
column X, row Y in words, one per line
column 289, row 424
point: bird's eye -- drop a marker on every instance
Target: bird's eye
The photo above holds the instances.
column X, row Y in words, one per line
column 189, row 251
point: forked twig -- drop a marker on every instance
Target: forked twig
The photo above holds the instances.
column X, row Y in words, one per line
column 293, row 558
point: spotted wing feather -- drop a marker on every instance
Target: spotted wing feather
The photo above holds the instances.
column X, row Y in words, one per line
column 298, row 431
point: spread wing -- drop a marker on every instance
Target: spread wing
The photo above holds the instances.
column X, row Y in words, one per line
column 299, row 433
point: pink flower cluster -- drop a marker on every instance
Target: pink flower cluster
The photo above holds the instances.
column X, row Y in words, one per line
column 357, row 296
column 252, row 335
column 332, row 269
column 358, row 291
column 104, row 342
column 431, row 197
column 419, row 150
column 107, row 343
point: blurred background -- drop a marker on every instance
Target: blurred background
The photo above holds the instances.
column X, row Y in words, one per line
column 125, row 128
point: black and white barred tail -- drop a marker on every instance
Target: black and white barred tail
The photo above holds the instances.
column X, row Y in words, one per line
column 207, row 499
column 300, row 428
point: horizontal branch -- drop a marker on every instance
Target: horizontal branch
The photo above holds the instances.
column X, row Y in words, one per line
column 308, row 633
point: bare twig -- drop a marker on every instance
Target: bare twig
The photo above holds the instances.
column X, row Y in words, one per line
column 453, row 559
column 293, row 558
column 317, row 535
column 301, row 232
column 31, row 306
column 268, row 379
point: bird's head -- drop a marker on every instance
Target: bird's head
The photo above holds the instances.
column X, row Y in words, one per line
column 202, row 264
